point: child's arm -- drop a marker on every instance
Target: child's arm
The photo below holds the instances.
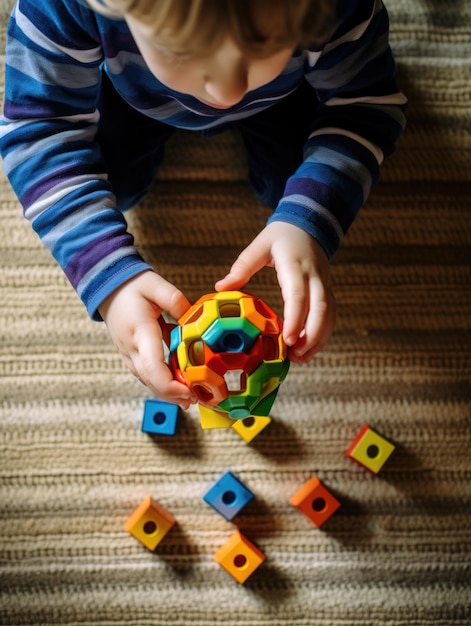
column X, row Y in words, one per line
column 359, row 120
column 47, row 141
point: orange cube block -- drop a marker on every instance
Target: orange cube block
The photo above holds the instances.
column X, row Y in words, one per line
column 315, row 501
column 149, row 523
column 239, row 557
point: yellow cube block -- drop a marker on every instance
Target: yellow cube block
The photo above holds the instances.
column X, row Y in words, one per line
column 249, row 427
column 149, row 523
column 212, row 418
column 239, row 557
column 370, row 449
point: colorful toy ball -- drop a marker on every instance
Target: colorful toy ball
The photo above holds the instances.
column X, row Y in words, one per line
column 228, row 348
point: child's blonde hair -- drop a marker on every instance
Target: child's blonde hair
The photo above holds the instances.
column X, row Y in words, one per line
column 259, row 27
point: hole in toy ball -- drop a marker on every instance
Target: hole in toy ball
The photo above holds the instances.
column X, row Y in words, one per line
column 249, row 421
column 372, row 451
column 270, row 348
column 229, row 309
column 236, row 381
column 150, row 527
column 233, row 342
column 262, row 308
column 240, row 560
column 228, row 497
column 196, row 353
column 159, row 418
column 319, row 504
column 203, row 394
column 195, row 315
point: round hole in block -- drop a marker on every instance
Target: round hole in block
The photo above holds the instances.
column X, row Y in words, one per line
column 233, row 342
column 240, row 560
column 159, row 418
column 229, row 497
column 249, row 421
column 372, row 452
column 319, row 504
column 150, row 527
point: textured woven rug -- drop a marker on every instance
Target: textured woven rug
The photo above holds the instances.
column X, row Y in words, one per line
column 74, row 463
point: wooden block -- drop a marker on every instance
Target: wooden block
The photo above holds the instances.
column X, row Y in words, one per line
column 228, row 496
column 239, row 557
column 149, row 523
column 315, row 501
column 211, row 418
column 160, row 418
column 370, row 449
column 249, row 427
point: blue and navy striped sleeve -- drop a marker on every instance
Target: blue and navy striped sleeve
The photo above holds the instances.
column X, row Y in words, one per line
column 47, row 140
column 54, row 58
column 360, row 118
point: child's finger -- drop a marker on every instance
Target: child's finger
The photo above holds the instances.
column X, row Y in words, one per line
column 248, row 263
column 168, row 297
column 295, row 295
column 148, row 361
column 319, row 324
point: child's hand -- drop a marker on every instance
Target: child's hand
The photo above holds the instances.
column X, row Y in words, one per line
column 303, row 275
column 131, row 313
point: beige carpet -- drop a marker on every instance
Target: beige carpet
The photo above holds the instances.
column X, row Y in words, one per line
column 74, row 464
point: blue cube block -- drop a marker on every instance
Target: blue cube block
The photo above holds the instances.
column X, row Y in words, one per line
column 228, row 496
column 160, row 418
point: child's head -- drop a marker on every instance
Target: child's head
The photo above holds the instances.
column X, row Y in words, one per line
column 258, row 27
column 218, row 50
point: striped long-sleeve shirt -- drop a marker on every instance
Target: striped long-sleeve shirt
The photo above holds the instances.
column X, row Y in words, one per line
column 55, row 54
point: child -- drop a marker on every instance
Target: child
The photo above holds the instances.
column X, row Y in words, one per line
column 94, row 89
